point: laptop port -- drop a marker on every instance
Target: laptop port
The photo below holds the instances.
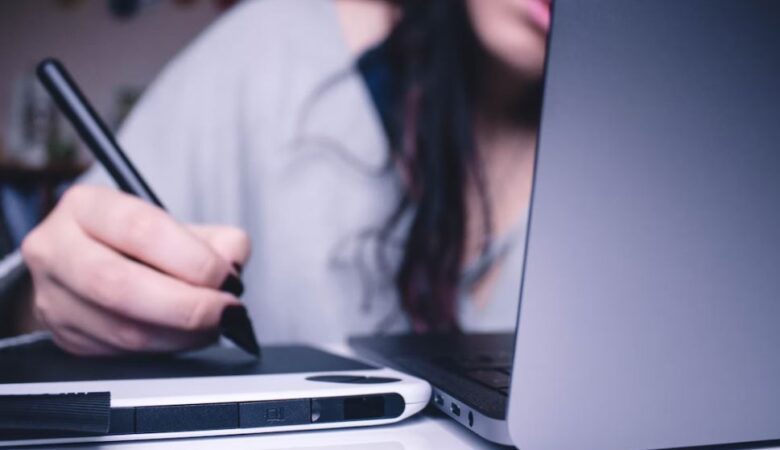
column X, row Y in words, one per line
column 455, row 409
column 437, row 398
column 471, row 419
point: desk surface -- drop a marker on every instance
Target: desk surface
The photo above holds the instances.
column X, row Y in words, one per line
column 427, row 430
column 424, row 431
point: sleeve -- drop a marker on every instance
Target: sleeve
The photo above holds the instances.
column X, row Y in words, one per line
column 165, row 137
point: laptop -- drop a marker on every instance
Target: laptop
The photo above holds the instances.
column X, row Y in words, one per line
column 649, row 311
column 51, row 397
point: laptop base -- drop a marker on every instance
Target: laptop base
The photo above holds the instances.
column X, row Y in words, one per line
column 469, row 373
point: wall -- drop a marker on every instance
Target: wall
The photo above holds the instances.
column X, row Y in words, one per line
column 102, row 52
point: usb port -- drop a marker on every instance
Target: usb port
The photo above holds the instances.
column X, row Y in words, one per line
column 438, row 399
column 455, row 409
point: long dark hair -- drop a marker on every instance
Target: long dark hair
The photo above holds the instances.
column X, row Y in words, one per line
column 434, row 58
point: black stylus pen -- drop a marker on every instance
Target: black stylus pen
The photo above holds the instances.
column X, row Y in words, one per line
column 235, row 323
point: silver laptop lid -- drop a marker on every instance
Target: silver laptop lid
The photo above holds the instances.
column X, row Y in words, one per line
column 650, row 312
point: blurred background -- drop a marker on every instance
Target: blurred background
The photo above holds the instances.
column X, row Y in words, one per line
column 114, row 48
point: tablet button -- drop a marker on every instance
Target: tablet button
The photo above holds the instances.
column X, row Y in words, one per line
column 352, row 379
column 335, row 378
column 376, row 380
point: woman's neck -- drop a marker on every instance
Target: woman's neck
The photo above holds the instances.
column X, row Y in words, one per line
column 365, row 23
column 507, row 101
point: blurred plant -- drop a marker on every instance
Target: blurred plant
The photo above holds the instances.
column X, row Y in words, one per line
column 31, row 114
column 37, row 134
column 61, row 148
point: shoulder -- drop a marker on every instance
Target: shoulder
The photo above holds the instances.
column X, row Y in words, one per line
column 270, row 18
column 253, row 24
column 365, row 23
column 251, row 47
column 255, row 28
column 269, row 39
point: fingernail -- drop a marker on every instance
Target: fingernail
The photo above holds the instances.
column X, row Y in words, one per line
column 233, row 285
column 239, row 268
column 236, row 326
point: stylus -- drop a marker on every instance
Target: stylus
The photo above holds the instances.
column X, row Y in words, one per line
column 235, row 323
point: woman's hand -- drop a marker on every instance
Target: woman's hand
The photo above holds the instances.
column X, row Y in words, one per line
column 113, row 274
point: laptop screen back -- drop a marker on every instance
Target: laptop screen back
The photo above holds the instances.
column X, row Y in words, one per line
column 650, row 311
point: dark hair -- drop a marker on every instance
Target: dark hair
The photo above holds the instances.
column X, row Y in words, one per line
column 434, row 58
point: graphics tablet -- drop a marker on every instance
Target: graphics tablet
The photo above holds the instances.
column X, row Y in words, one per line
column 215, row 391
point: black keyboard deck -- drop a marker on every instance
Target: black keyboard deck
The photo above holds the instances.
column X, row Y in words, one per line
column 474, row 368
column 493, row 370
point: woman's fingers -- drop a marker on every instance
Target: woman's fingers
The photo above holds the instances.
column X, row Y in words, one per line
column 133, row 290
column 113, row 274
column 78, row 344
column 60, row 250
column 109, row 333
column 146, row 233
column 231, row 243
column 70, row 340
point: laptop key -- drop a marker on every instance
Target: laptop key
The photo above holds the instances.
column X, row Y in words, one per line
column 483, row 361
column 491, row 378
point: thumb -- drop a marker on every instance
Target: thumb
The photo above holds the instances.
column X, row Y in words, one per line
column 231, row 243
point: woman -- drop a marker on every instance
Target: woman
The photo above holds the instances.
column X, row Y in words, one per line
column 379, row 154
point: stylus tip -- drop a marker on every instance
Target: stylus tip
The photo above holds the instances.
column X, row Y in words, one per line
column 236, row 326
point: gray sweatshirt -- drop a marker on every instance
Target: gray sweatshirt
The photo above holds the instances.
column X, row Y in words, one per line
column 264, row 123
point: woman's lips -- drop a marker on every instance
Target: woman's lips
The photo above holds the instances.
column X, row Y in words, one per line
column 539, row 13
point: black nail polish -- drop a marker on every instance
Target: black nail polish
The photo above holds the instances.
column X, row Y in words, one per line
column 233, row 285
column 236, row 326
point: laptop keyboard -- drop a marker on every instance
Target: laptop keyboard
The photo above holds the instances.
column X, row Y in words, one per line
column 492, row 370
column 475, row 369
column 490, row 401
